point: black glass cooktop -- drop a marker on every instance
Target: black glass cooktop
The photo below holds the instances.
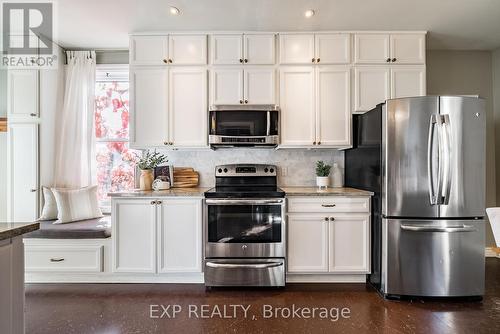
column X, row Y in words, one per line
column 245, row 192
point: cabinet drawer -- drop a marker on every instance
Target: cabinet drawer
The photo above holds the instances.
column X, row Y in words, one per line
column 64, row 258
column 329, row 204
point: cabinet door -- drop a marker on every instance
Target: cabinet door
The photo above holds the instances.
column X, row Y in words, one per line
column 148, row 50
column 22, row 87
column 226, row 49
column 149, row 106
column 297, row 106
column 180, row 235
column 371, row 48
column 259, row 85
column 22, row 170
column 333, row 94
column 188, row 106
column 187, row 49
column 226, row 86
column 296, row 48
column 134, row 232
column 407, row 48
column 371, row 86
column 407, row 81
column 349, row 244
column 259, row 49
column 307, row 244
column 333, row 48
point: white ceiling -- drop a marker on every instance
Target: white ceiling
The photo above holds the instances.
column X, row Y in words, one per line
column 452, row 24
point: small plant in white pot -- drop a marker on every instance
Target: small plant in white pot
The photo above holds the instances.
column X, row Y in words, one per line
column 322, row 174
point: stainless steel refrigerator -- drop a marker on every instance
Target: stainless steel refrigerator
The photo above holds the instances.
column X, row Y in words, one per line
column 424, row 158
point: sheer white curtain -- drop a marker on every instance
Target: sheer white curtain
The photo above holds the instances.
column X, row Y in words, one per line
column 75, row 157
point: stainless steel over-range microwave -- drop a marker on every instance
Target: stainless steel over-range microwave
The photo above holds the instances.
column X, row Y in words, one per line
column 233, row 125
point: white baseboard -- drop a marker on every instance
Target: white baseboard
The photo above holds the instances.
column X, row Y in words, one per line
column 188, row 278
column 325, row 278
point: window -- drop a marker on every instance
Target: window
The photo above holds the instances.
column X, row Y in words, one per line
column 115, row 162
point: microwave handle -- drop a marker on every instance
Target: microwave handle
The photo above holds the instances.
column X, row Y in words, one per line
column 268, row 128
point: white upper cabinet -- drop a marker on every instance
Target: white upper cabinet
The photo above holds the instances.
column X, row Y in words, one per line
column 148, row 50
column 22, row 87
column 259, row 85
column 226, row 86
column 408, row 48
column 389, row 48
column 172, row 49
column 333, row 48
column 297, row 106
column 149, row 108
column 188, row 106
column 180, row 235
column 187, row 49
column 371, row 48
column 259, row 49
column 226, row 49
column 333, row 107
column 371, row 86
column 407, row 81
column 296, row 48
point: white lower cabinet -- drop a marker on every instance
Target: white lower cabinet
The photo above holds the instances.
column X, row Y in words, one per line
column 157, row 235
column 329, row 242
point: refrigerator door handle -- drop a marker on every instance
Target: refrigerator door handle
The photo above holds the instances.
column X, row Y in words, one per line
column 430, row 167
column 446, row 229
column 447, row 170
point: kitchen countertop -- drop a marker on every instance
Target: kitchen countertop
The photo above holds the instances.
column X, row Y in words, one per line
column 314, row 191
column 197, row 191
column 11, row 230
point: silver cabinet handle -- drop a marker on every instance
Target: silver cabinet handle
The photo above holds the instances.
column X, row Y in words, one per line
column 158, row 202
column 33, row 114
column 430, row 228
column 33, row 190
column 59, row 259
column 244, row 266
column 328, row 205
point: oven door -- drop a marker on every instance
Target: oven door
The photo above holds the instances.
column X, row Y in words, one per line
column 244, row 228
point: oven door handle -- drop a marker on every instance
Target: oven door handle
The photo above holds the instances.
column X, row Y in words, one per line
column 243, row 201
column 246, row 266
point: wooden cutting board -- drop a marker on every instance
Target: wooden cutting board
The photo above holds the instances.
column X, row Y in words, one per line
column 185, row 177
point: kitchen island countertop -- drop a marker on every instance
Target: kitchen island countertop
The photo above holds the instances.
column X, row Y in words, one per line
column 11, row 230
column 314, row 191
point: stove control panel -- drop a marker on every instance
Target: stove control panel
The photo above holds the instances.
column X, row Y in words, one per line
column 246, row 170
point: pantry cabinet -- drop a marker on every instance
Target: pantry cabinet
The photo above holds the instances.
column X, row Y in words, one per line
column 329, row 239
column 22, row 99
column 164, row 104
column 252, row 49
column 157, row 235
column 315, row 104
column 175, row 49
column 375, row 84
column 321, row 48
column 395, row 48
column 252, row 85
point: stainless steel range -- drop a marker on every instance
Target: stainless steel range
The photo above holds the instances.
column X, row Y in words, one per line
column 244, row 228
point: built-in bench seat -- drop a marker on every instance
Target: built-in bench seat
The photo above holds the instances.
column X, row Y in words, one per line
column 98, row 228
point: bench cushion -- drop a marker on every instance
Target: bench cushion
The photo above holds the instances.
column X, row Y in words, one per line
column 97, row 228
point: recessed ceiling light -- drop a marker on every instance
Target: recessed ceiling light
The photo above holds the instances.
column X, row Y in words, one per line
column 309, row 13
column 174, row 11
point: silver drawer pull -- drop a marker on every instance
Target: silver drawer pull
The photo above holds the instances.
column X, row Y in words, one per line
column 328, row 205
column 59, row 259
column 430, row 228
column 247, row 266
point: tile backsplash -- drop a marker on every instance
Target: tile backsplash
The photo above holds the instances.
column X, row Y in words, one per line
column 299, row 164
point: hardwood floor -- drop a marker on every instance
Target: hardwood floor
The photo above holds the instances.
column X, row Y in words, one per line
column 125, row 308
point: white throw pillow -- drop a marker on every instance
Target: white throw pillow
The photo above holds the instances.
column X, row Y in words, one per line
column 76, row 204
column 49, row 211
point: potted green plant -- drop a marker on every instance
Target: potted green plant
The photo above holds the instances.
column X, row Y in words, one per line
column 147, row 163
column 322, row 174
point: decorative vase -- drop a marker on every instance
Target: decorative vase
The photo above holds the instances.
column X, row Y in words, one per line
column 322, row 181
column 146, row 179
column 338, row 179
